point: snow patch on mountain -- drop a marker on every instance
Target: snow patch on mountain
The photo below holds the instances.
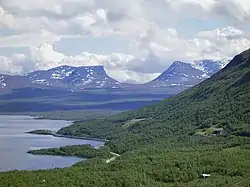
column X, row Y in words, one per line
column 42, row 82
column 2, row 82
column 209, row 67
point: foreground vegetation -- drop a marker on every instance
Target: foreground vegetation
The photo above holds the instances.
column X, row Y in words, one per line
column 176, row 164
column 160, row 145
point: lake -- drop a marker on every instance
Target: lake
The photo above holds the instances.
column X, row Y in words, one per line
column 14, row 144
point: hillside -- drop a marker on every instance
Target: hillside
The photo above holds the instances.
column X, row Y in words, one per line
column 168, row 144
column 222, row 100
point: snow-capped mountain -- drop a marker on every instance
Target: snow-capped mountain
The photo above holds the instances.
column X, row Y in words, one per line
column 75, row 78
column 187, row 74
column 63, row 77
column 177, row 77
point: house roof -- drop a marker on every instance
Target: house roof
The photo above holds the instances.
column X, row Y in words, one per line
column 206, row 175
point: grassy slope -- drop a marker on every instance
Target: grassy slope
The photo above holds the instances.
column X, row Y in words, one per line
column 160, row 150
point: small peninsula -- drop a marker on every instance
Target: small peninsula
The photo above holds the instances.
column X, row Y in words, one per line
column 41, row 132
column 83, row 151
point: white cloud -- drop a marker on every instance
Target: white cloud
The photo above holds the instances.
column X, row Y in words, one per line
column 229, row 33
column 119, row 66
column 15, row 64
column 45, row 57
column 214, row 44
column 109, row 16
column 239, row 10
column 154, row 54
column 148, row 24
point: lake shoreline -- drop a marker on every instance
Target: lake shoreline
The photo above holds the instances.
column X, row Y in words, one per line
column 51, row 133
column 14, row 155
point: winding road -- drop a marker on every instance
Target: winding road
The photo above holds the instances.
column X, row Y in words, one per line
column 115, row 155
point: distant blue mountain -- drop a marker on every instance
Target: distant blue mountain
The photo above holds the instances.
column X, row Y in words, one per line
column 75, row 78
column 68, row 78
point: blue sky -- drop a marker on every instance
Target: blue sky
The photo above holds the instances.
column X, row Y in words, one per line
column 134, row 39
column 193, row 25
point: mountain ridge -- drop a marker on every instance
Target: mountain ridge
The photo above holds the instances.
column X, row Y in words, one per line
column 179, row 76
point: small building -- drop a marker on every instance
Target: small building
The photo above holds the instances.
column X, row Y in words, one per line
column 217, row 131
column 204, row 175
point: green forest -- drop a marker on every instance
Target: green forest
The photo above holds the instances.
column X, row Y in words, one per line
column 203, row 130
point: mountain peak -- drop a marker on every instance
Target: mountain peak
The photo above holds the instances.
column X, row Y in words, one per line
column 188, row 73
column 74, row 77
column 178, row 62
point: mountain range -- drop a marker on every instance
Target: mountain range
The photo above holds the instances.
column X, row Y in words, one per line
column 179, row 74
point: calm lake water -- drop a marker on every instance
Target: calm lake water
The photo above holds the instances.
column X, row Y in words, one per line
column 14, row 144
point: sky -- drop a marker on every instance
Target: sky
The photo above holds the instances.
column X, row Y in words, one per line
column 135, row 40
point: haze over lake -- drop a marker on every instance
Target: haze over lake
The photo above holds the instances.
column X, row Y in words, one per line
column 14, row 144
